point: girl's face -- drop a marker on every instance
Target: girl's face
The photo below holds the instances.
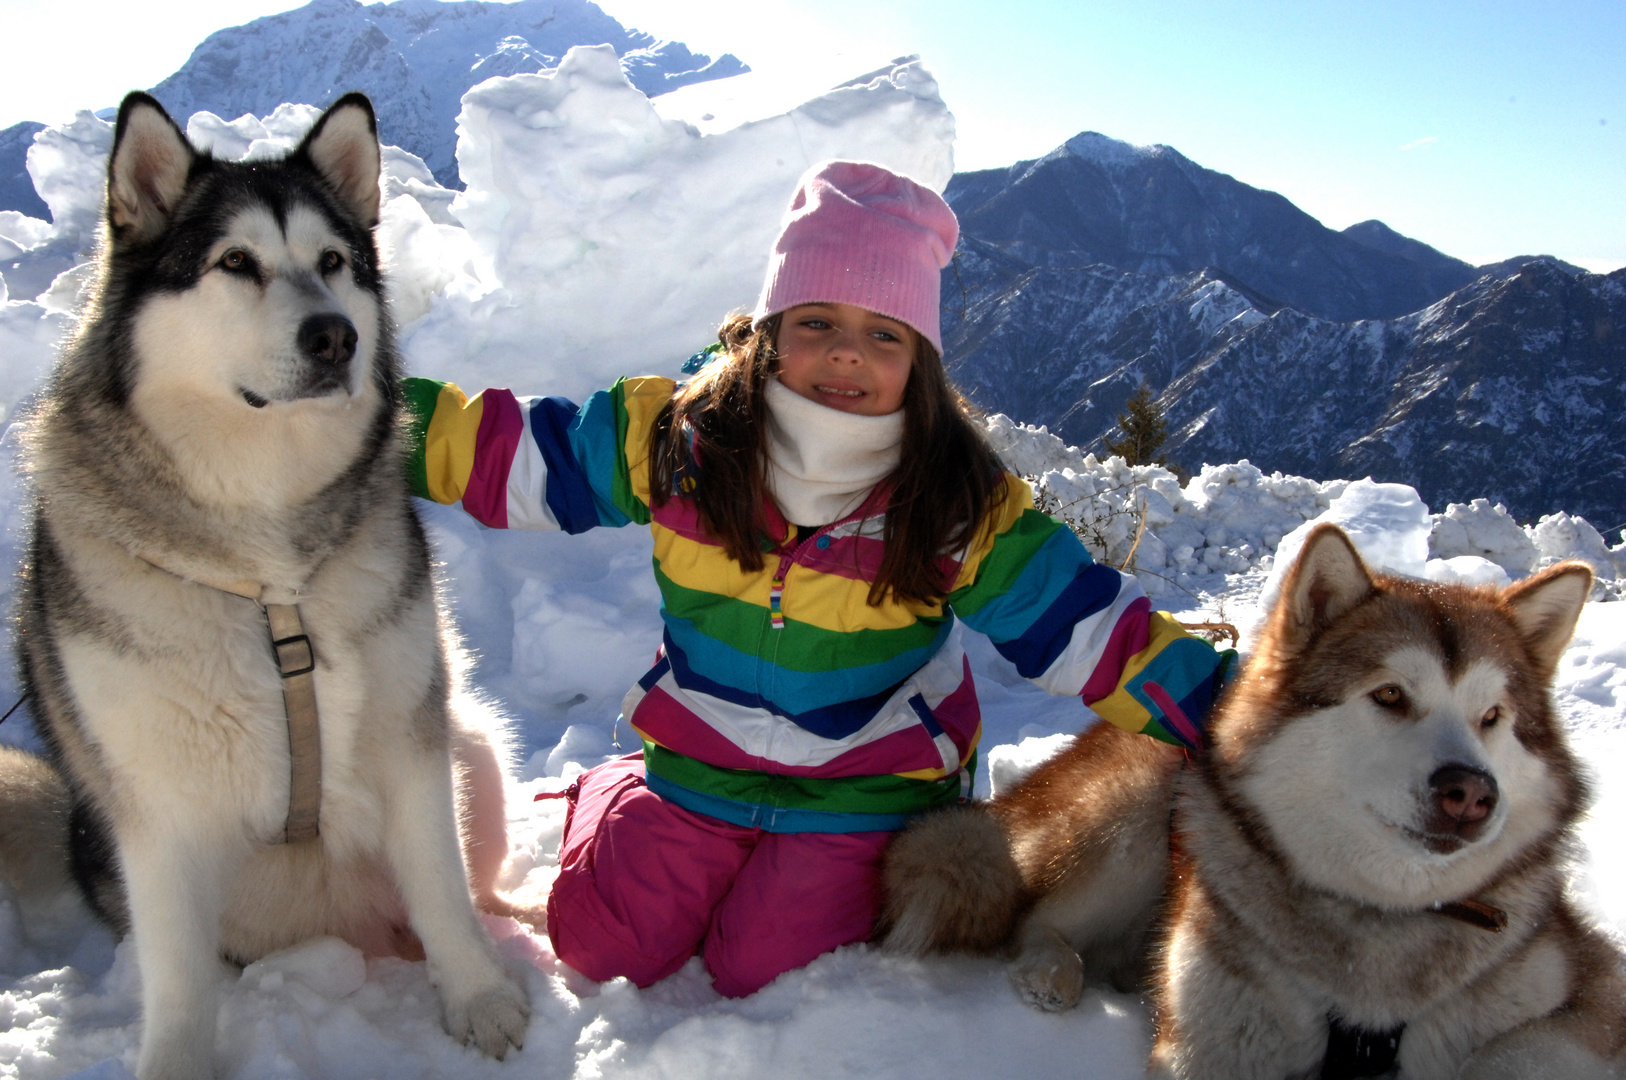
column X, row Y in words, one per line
column 846, row 357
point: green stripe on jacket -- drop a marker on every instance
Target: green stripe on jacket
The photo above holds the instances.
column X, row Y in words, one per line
column 419, row 397
column 883, row 794
column 798, row 646
column 1002, row 566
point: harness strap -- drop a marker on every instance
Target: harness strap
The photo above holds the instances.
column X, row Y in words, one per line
column 1354, row 1052
column 296, row 662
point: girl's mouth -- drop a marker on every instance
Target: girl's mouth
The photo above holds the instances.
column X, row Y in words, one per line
column 838, row 392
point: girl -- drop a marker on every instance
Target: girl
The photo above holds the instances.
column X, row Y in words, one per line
column 824, row 510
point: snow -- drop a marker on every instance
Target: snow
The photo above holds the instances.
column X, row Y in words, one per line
column 617, row 197
column 1388, row 524
column 1093, row 146
column 603, row 234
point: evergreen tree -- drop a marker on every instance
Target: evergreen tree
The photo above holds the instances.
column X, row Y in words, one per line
column 1144, row 430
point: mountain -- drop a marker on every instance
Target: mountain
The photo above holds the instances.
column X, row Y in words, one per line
column 1440, row 272
column 1153, row 211
column 1268, row 336
column 16, row 187
column 1512, row 387
column 415, row 58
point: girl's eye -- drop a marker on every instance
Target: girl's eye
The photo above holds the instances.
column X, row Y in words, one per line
column 886, row 335
column 330, row 261
column 815, row 324
column 1492, row 715
column 1390, row 697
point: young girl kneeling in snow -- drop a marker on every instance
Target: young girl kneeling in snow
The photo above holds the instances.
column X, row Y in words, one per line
column 823, row 510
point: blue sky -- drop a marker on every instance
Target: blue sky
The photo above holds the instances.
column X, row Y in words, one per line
column 1488, row 129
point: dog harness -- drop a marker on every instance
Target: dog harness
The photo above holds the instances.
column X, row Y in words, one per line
column 1354, row 1052
column 296, row 662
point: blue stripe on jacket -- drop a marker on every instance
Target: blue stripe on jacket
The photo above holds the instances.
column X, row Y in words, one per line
column 595, row 442
column 1047, row 575
column 797, row 692
column 1091, row 592
column 568, row 493
column 836, row 721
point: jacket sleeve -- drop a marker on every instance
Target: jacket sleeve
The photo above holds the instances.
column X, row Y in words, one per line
column 1074, row 626
column 535, row 462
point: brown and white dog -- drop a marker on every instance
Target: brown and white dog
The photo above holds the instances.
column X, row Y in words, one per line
column 1369, row 859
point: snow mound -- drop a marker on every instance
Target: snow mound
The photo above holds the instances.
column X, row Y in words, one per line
column 1190, row 542
column 613, row 239
column 1388, row 524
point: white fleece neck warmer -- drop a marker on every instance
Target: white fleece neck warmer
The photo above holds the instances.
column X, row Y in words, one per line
column 822, row 462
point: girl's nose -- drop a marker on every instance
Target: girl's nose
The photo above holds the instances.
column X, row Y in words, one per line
column 845, row 349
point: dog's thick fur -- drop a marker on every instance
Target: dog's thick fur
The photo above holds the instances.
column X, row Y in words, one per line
column 1386, row 775
column 228, row 412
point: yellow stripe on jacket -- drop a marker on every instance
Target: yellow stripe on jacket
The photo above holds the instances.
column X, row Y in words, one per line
column 449, row 444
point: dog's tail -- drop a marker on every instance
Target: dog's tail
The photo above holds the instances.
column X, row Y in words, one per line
column 35, row 811
column 951, row 885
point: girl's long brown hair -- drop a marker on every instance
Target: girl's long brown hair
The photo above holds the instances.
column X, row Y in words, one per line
column 714, row 432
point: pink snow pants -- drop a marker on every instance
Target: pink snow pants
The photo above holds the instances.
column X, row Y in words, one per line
column 643, row 884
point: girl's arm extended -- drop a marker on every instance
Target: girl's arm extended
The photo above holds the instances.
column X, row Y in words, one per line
column 1076, row 627
column 534, row 463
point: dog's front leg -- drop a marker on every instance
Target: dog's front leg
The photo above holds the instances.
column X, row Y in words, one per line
column 176, row 874
column 1215, row 1022
column 1048, row 972
column 1528, row 1017
column 482, row 1004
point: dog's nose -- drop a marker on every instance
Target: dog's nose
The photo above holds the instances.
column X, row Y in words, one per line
column 328, row 339
column 1463, row 795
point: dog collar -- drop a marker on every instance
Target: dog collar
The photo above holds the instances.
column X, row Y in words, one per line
column 296, row 661
column 1474, row 913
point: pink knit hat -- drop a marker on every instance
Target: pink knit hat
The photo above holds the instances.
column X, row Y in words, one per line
column 859, row 234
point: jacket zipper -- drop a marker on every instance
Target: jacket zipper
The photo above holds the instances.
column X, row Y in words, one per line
column 776, row 589
column 776, row 619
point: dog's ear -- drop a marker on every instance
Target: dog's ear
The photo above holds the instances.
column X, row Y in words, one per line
column 343, row 147
column 148, row 169
column 1326, row 581
column 1545, row 607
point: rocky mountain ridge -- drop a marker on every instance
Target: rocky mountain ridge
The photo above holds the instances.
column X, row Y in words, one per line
column 1151, row 210
column 1509, row 387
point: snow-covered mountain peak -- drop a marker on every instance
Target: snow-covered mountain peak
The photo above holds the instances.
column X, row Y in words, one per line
column 1101, row 149
column 415, row 58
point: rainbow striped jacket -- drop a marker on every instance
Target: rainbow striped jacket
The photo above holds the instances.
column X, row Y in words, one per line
column 781, row 698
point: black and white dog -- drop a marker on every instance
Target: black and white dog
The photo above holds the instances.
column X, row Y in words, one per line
column 228, row 625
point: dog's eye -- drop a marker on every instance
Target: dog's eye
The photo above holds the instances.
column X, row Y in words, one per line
column 1492, row 715
column 330, row 261
column 1390, row 696
column 237, row 261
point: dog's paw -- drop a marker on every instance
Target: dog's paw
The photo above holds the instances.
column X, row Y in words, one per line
column 1051, row 979
column 491, row 1019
